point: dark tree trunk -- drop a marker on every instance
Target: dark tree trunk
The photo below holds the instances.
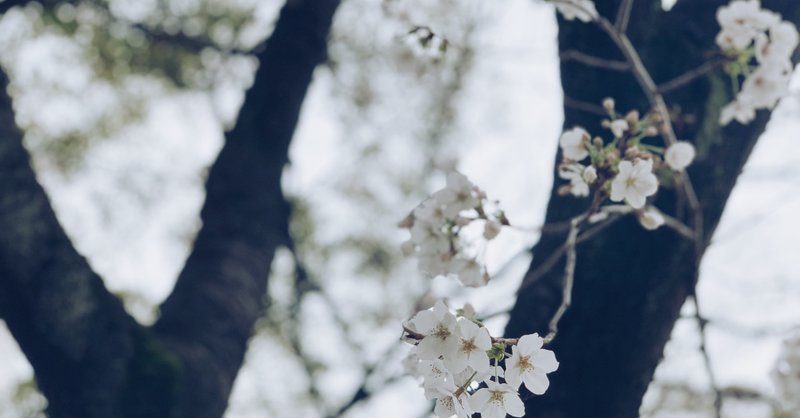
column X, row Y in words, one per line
column 90, row 358
column 631, row 283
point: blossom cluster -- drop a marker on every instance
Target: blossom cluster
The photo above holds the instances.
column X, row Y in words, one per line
column 760, row 45
column 467, row 371
column 623, row 170
column 438, row 231
column 582, row 10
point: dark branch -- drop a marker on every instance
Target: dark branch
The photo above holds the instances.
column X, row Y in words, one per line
column 75, row 334
column 219, row 295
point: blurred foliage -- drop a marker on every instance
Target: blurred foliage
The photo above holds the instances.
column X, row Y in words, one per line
column 112, row 59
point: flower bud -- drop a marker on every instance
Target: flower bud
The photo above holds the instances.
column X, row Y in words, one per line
column 651, row 218
column 632, row 117
column 679, row 155
column 619, row 127
column 608, row 104
column 590, row 174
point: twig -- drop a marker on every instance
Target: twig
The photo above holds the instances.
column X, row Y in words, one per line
column 546, row 266
column 679, row 227
column 688, row 77
column 569, row 278
column 584, row 106
column 623, row 16
column 593, row 61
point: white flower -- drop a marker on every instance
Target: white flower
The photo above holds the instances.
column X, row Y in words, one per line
column 738, row 109
column 473, row 342
column 574, row 173
column 469, row 272
column 448, row 404
column 765, row 86
column 573, row 143
column 741, row 21
column 651, row 218
column 679, row 155
column 429, row 237
column 457, row 195
column 583, row 10
column 491, row 229
column 497, row 400
column 438, row 326
column 778, row 47
column 618, row 127
column 589, row 174
column 530, row 363
column 436, row 377
column 430, row 211
column 634, row 183
column 433, row 264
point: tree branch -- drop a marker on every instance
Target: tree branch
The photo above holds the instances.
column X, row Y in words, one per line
column 76, row 335
column 209, row 317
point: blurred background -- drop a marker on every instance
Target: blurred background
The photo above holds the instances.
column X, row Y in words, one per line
column 124, row 106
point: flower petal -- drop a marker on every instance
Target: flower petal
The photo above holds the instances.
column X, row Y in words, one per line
column 513, row 404
column 536, row 382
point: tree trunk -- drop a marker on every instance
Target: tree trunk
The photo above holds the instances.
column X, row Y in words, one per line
column 631, row 283
column 90, row 358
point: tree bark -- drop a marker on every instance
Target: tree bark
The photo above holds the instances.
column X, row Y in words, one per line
column 208, row 318
column 90, row 358
column 631, row 283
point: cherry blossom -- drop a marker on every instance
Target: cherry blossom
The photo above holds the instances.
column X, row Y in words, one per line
column 651, row 218
column 449, row 404
column 634, row 183
column 529, row 364
column 459, row 195
column 473, row 342
column 438, row 326
column 497, row 400
column 575, row 174
column 573, row 144
column 742, row 112
column 679, row 155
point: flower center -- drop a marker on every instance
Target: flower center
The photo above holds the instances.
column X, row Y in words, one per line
column 496, row 396
column 441, row 332
column 468, row 346
column 525, row 363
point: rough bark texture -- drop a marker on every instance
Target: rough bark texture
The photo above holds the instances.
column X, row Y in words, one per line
column 90, row 358
column 630, row 283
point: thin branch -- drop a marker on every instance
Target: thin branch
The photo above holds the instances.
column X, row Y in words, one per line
column 679, row 227
column 688, row 77
column 569, row 279
column 593, row 61
column 548, row 264
column 623, row 16
column 584, row 106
